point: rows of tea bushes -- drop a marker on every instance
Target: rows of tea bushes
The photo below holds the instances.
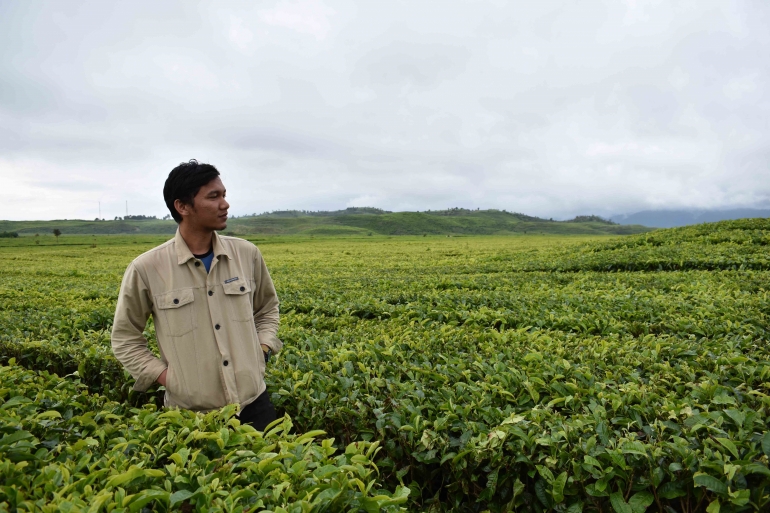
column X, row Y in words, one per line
column 699, row 303
column 57, row 317
column 499, row 374
column 499, row 377
column 63, row 449
column 532, row 418
column 726, row 245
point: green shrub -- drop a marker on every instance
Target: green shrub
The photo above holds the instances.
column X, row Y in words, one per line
column 62, row 449
column 503, row 373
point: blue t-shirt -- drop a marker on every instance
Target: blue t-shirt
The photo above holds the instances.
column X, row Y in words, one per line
column 206, row 259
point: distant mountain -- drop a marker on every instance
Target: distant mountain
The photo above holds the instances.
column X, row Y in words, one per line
column 674, row 218
column 352, row 221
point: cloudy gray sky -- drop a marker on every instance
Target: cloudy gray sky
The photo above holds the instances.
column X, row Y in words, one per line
column 551, row 108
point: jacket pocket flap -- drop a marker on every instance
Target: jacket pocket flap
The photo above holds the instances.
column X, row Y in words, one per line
column 174, row 299
column 237, row 287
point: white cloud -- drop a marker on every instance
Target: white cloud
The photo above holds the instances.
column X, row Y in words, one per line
column 740, row 87
column 311, row 17
column 545, row 108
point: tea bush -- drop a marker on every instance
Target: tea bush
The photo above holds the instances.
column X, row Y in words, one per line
column 63, row 449
column 495, row 373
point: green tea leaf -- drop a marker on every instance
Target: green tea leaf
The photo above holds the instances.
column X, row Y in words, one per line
column 671, row 490
column 132, row 473
column 710, row 483
column 16, row 437
column 602, row 432
column 575, row 507
column 723, row 399
column 634, row 448
column 640, row 501
column 766, row 443
column 50, row 414
column 542, row 495
column 756, row 468
column 145, row 497
column 737, row 416
column 545, row 473
column 740, row 497
column 179, row 496
column 518, row 487
column 619, row 504
column 592, row 461
column 557, row 488
column 729, row 445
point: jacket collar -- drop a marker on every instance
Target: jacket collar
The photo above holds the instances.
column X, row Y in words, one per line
column 184, row 254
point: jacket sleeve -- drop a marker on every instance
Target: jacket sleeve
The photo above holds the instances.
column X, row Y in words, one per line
column 128, row 342
column 265, row 306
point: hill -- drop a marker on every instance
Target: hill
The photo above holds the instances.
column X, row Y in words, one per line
column 675, row 218
column 352, row 221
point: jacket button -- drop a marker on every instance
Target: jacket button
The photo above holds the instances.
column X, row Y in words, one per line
column 211, row 292
column 197, row 264
column 243, row 288
column 176, row 301
column 216, row 327
column 224, row 363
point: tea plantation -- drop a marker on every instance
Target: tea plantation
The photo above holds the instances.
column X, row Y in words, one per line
column 516, row 373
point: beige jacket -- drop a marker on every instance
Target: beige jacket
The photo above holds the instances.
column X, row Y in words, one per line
column 209, row 326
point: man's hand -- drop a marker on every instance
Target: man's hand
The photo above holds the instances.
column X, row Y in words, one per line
column 267, row 352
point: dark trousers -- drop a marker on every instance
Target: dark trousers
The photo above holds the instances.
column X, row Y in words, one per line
column 259, row 413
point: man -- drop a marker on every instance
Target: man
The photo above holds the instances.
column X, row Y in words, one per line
column 213, row 303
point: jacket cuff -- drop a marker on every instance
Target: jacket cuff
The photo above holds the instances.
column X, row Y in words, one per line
column 149, row 375
column 270, row 340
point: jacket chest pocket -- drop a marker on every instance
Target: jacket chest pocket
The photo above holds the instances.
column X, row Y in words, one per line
column 176, row 309
column 239, row 300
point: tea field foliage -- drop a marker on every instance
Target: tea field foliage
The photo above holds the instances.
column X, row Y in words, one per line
column 67, row 450
column 469, row 374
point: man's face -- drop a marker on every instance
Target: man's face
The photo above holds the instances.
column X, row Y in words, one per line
column 209, row 208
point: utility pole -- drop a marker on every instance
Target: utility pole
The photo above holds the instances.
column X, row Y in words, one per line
column 126, row 208
column 100, row 210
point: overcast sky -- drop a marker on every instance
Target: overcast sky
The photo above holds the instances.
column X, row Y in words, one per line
column 551, row 108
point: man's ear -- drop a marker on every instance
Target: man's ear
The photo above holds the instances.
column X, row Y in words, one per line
column 182, row 208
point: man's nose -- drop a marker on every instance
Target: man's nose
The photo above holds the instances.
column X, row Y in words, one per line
column 225, row 204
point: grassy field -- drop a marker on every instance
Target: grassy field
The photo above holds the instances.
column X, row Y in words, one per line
column 350, row 222
column 499, row 373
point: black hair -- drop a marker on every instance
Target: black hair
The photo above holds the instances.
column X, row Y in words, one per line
column 184, row 182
